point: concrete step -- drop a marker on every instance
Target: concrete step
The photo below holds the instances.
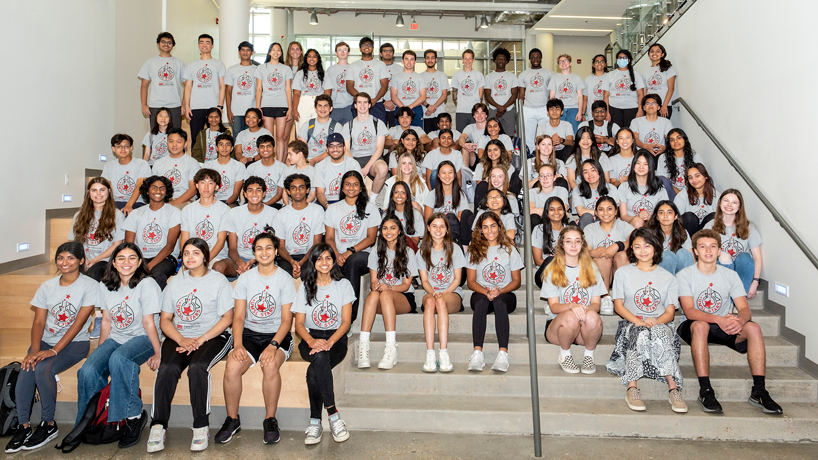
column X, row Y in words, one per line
column 575, row 417
column 412, row 348
column 730, row 383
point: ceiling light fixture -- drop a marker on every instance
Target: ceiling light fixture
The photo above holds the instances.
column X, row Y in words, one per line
column 314, row 18
column 399, row 22
column 484, row 22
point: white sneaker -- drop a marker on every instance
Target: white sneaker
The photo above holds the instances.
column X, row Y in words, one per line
column 200, row 438
column 431, row 362
column 477, row 361
column 156, row 440
column 363, row 355
column 501, row 363
column 445, row 363
column 390, row 356
column 606, row 307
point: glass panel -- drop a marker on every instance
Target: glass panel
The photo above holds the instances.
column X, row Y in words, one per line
column 261, row 23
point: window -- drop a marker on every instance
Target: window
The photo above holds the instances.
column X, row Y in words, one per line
column 260, row 32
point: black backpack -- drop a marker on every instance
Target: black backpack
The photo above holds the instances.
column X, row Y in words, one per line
column 93, row 427
column 333, row 125
column 8, row 403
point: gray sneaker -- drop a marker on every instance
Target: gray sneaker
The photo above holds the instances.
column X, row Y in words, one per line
column 314, row 432
column 338, row 427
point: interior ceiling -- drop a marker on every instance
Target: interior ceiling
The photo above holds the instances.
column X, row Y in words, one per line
column 602, row 8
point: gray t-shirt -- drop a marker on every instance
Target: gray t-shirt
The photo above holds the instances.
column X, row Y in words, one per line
column 317, row 142
column 566, row 88
column 473, row 133
column 271, row 175
column 205, row 75
column 455, row 134
column 680, row 180
column 618, row 83
column 298, row 228
column 366, row 76
column 447, row 207
column 311, row 86
column 539, row 197
column 325, row 312
column 687, row 244
column 123, row 177
column 151, row 228
column 638, row 202
column 563, row 130
column 433, row 159
column 265, row 298
column 390, row 278
column 63, row 303
column 594, row 89
column 535, row 84
column 180, row 171
column 651, row 132
column 699, row 208
column 534, row 174
column 573, row 292
column 274, row 84
column 309, row 171
column 478, row 171
column 604, row 161
column 621, row 166
column 397, row 131
column 507, row 142
column 712, row 294
column 506, row 219
column 231, row 173
column 197, row 303
column 248, row 141
column 165, row 75
column 328, row 175
column 335, row 79
column 501, row 84
column 495, row 269
column 537, row 239
column 734, row 245
column 158, row 145
column 436, row 82
column 419, row 225
column 599, row 238
column 391, row 69
column 363, row 136
column 243, row 80
column 590, row 203
column 206, row 223
column 127, row 306
column 469, row 87
column 656, row 80
column 408, row 86
column 439, row 275
column 209, row 148
column 349, row 229
column 645, row 294
column 94, row 246
column 602, row 131
column 246, row 226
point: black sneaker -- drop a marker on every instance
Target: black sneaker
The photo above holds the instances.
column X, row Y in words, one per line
column 44, row 434
column 133, row 430
column 764, row 401
column 230, row 427
column 271, row 433
column 21, row 435
column 707, row 399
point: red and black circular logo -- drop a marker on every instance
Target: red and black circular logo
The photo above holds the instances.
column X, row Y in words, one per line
column 325, row 316
column 350, row 224
column 366, row 75
column 709, row 301
column 494, row 273
column 301, row 233
column 275, row 78
column 166, row 72
column 244, row 81
column 64, row 312
column 536, row 81
column 152, row 233
column 204, row 75
column 204, row 229
column 647, row 299
column 576, row 294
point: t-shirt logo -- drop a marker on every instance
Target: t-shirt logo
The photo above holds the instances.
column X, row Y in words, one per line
column 732, row 246
column 125, row 184
column 174, row 175
column 326, row 315
column 335, row 186
column 440, row 275
column 121, row 315
column 607, row 241
column 204, row 229
column 64, row 312
column 244, row 81
column 679, row 182
column 625, row 171
column 709, row 301
column 321, row 138
column 341, row 80
column 301, row 233
column 447, row 208
column 433, row 89
column 263, row 304
column 647, row 299
column 313, row 83
column 576, row 294
column 350, row 224
column 166, row 72
column 211, row 149
column 152, row 233
column 271, row 187
column 275, row 78
column 598, row 90
column 623, row 84
column 366, row 75
column 225, row 182
column 655, row 81
column 204, row 75
column 160, row 149
column 652, row 137
column 365, row 138
column 389, row 277
column 701, row 212
column 537, row 81
column 494, row 273
column 565, row 88
column 91, row 237
column 500, row 85
column 409, row 87
column 467, row 85
column 642, row 205
column 250, row 149
column 189, row 307
column 248, row 236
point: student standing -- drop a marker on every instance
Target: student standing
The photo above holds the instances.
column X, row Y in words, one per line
column 534, row 94
column 240, row 87
column 98, row 226
column 368, row 76
column 232, row 172
column 204, row 87
column 660, row 78
column 501, row 91
column 161, row 82
column 329, row 171
column 300, row 224
column 274, row 96
column 624, row 89
column 437, row 91
column 179, row 168
column 408, row 88
column 125, row 174
column 595, row 84
column 467, row 90
column 387, row 55
column 335, row 85
column 295, row 60
column 568, row 88
column 307, row 84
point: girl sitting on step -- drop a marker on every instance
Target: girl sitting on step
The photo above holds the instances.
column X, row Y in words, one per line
column 697, row 201
column 639, row 195
column 447, row 198
column 98, row 226
column 677, row 249
column 544, row 236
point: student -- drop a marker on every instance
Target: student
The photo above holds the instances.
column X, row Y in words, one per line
column 604, row 130
column 394, row 136
column 595, row 84
column 207, row 218
column 295, row 56
column 127, row 173
column 274, row 97
column 130, row 300
column 623, row 91
column 534, row 94
column 161, row 82
column 572, row 286
column 444, row 121
column 585, row 149
column 63, row 308
column 677, row 251
column 316, row 130
column 467, row 90
column 197, row 311
column 741, row 244
column 568, row 88
column 232, row 172
column 496, row 155
column 650, row 131
column 351, row 226
column 368, row 76
column 440, row 265
column 472, row 133
column 639, row 195
column 179, row 168
column 708, row 292
column 593, row 187
column 444, row 152
column 498, row 178
column 645, row 296
column 493, row 273
column 204, row 149
column 387, row 56
column 494, row 131
column 364, row 138
column 607, row 240
column 323, row 316
column 408, row 88
column 622, row 156
column 437, row 91
column 155, row 142
column 501, row 91
column 392, row 267
column 408, row 173
column 545, row 155
column 240, row 87
column 307, row 84
column 561, row 132
column 98, row 226
column 269, row 169
column 697, row 201
column 543, row 191
column 261, row 335
column 329, row 171
column 673, row 165
column 660, row 78
column 155, row 228
column 544, row 236
column 300, row 224
column 495, row 201
column 407, row 214
column 447, row 198
column 209, row 90
column 246, row 149
column 335, row 85
column 297, row 152
column 245, row 222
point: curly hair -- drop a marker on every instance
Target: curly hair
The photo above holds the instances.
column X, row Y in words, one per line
column 670, row 160
column 417, row 152
column 305, row 68
column 400, row 264
column 144, row 189
column 84, row 221
column 479, row 247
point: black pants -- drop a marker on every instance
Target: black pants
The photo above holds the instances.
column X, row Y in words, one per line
column 586, row 220
column 623, row 117
column 536, row 219
column 429, row 125
column 175, row 116
column 466, row 221
column 354, row 268
column 501, row 306
column 538, row 275
column 286, row 265
column 462, row 120
column 197, row 123
column 121, row 204
column 97, row 270
column 319, row 373
column 198, row 366
column 390, row 118
column 163, row 270
column 691, row 222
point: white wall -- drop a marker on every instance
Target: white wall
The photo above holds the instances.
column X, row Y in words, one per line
column 729, row 56
column 579, row 48
column 186, row 20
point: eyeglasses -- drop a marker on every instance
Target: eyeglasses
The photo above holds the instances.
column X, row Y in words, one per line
column 122, row 146
column 651, row 103
column 563, row 61
column 599, row 61
column 599, row 112
column 166, row 42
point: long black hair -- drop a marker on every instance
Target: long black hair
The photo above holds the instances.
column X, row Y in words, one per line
column 408, row 210
column 547, row 237
column 654, row 183
column 400, row 265
column 664, row 64
column 678, row 234
column 440, row 196
column 616, row 148
column 319, row 66
column 214, row 110
column 577, row 150
column 363, row 197
column 75, row 249
column 270, row 48
column 670, row 160
column 630, row 66
column 155, row 127
column 111, row 278
column 311, row 275
column 601, row 187
column 486, row 129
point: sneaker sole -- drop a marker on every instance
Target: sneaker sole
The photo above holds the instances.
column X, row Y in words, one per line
column 477, row 369
column 429, row 371
column 13, row 451
column 52, row 437
column 363, row 366
column 755, row 403
column 340, row 438
column 386, row 367
column 139, row 437
column 156, row 448
column 635, row 408
column 709, row 411
column 446, row 371
column 312, row 442
column 228, row 439
column 198, row 448
column 570, row 371
column 588, row 371
column 271, row 442
column 497, row 369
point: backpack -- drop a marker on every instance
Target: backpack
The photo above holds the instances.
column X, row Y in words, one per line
column 332, row 125
column 352, row 124
column 93, row 427
column 8, row 403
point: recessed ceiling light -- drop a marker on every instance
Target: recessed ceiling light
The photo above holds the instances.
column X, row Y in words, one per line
column 612, row 18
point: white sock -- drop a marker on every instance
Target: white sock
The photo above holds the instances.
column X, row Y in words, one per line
column 364, row 337
column 444, row 351
column 390, row 337
column 430, row 353
column 134, row 417
column 589, row 353
column 565, row 353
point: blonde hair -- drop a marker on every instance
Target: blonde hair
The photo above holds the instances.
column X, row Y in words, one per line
column 587, row 269
column 566, row 56
column 289, row 60
column 414, row 179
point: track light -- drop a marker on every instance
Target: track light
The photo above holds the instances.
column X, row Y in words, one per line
column 399, row 22
column 484, row 22
column 314, row 18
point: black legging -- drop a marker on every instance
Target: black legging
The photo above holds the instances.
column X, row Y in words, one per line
column 501, row 306
column 286, row 265
column 466, row 221
column 353, row 269
column 691, row 222
column 319, row 372
column 163, row 270
column 538, row 275
column 623, row 117
column 97, row 270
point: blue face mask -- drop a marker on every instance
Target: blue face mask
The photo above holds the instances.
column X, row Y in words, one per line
column 622, row 62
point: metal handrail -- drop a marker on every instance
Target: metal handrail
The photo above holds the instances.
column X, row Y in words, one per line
column 741, row 172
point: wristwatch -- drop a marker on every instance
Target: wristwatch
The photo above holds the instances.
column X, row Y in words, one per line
column 351, row 249
column 274, row 343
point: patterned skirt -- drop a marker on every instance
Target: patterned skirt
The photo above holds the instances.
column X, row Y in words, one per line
column 641, row 351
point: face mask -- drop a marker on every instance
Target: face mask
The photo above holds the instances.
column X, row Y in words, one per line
column 622, row 62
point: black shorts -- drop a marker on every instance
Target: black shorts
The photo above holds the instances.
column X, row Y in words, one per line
column 274, row 112
column 545, row 332
column 410, row 297
column 255, row 343
column 716, row 336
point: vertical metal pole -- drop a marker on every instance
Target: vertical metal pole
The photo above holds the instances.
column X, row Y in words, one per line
column 529, row 291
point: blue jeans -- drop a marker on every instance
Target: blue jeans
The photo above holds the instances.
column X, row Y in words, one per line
column 674, row 262
column 42, row 379
column 570, row 115
column 238, row 125
column 432, row 179
column 418, row 120
column 745, row 266
column 377, row 110
column 121, row 362
column 342, row 114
